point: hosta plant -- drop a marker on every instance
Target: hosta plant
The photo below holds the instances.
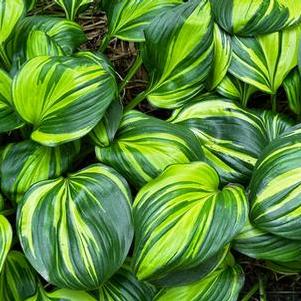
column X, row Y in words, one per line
column 149, row 149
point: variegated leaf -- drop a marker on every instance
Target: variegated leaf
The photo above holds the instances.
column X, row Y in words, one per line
column 77, row 231
column 256, row 17
column 18, row 280
column 232, row 137
column 265, row 61
column 26, row 163
column 9, row 120
column 144, row 146
column 178, row 53
column 127, row 19
column 64, row 98
column 182, row 219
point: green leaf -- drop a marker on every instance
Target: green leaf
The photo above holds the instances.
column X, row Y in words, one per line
column 30, row 4
column 127, row 19
column 44, row 35
column 292, row 87
column 2, row 203
column 11, row 12
column 233, row 88
column 27, row 162
column 178, row 53
column 73, row 7
column 275, row 188
column 144, row 146
column 18, row 279
column 9, row 120
column 77, row 231
column 222, row 57
column 262, row 245
column 265, row 61
column 255, row 17
column 64, row 98
column 286, row 268
column 6, row 235
column 182, row 219
column 61, row 295
column 124, row 286
column 223, row 284
column 232, row 137
column 104, row 132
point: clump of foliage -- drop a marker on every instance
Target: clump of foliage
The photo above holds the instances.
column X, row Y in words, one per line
column 102, row 201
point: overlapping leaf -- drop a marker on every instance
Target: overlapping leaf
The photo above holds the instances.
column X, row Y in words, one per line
column 72, row 7
column 184, row 217
column 265, row 61
column 249, row 17
column 292, row 86
column 223, row 284
column 233, row 88
column 275, row 187
column 178, row 66
column 9, row 119
column 64, row 98
column 44, row 35
column 61, row 295
column 26, row 163
column 124, row 286
column 232, row 137
column 11, row 12
column 76, row 231
column 129, row 18
column 6, row 235
column 18, row 280
column 222, row 57
column 259, row 244
column 144, row 146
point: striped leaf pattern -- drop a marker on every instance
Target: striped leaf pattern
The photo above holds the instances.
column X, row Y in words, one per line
column 286, row 268
column 178, row 66
column 275, row 187
column 26, row 163
column 265, row 61
column 76, row 232
column 222, row 57
column 256, row 17
column 262, row 245
column 221, row 285
column 232, row 137
column 127, row 19
column 68, row 96
column 6, row 235
column 9, row 119
column 144, row 146
column 11, row 12
column 124, row 286
column 233, row 88
column 292, row 87
column 103, row 134
column 18, row 280
column 184, row 217
column 73, row 7
column 44, row 35
column 61, row 295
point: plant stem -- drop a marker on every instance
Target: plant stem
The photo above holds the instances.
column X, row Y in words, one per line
column 274, row 102
column 262, row 292
column 135, row 101
column 4, row 58
column 251, row 292
column 105, row 42
column 132, row 71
